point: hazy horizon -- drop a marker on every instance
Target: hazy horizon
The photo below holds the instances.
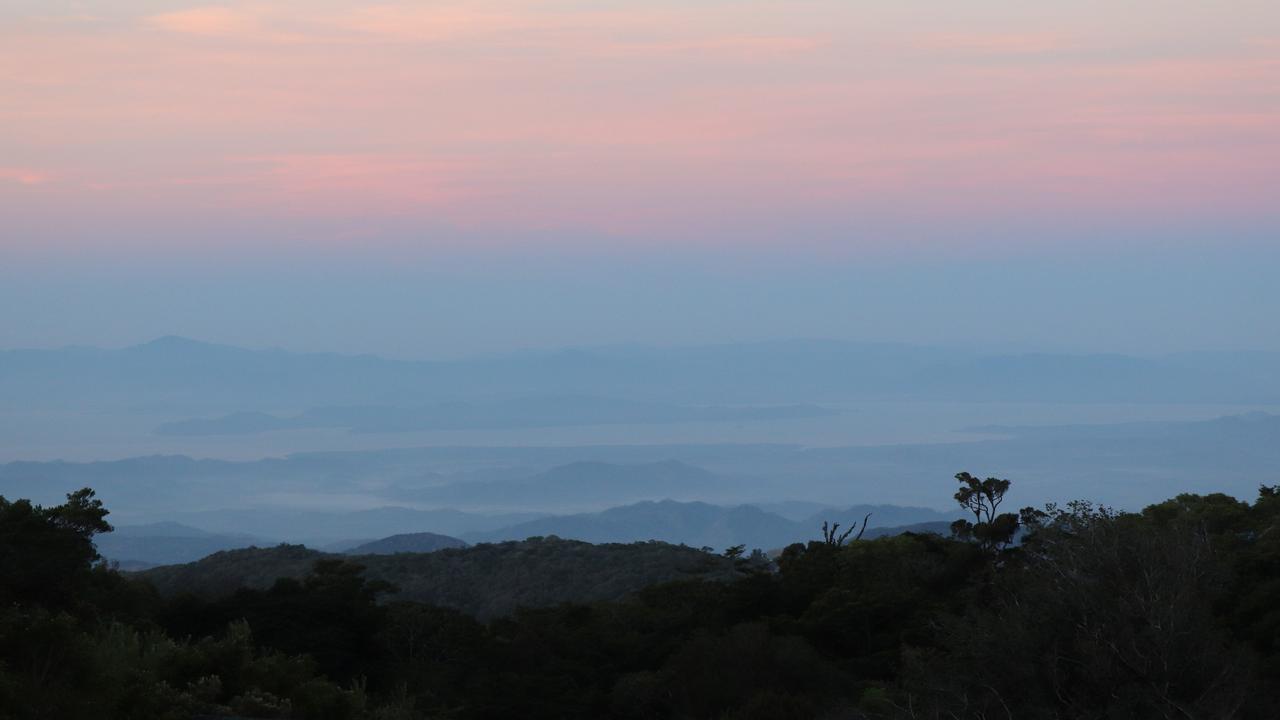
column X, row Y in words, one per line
column 1010, row 347
column 1196, row 302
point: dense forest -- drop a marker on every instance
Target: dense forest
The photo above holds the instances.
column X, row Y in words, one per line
column 1076, row 611
column 486, row 580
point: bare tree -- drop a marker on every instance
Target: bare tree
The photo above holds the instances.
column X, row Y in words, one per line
column 830, row 530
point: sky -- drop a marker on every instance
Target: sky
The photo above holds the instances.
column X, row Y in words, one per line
column 442, row 178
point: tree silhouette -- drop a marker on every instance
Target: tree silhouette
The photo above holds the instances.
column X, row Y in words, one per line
column 992, row 530
column 831, row 538
column 47, row 553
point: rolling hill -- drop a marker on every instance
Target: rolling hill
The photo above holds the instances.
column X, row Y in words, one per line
column 487, row 580
column 407, row 543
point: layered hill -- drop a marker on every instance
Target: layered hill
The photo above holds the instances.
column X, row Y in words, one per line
column 704, row 525
column 694, row 523
column 165, row 543
column 584, row 484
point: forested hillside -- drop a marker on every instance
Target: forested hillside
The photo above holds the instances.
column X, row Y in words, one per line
column 1172, row 612
column 407, row 543
column 485, row 580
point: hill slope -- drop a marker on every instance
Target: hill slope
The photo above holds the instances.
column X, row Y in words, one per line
column 486, row 580
column 423, row 542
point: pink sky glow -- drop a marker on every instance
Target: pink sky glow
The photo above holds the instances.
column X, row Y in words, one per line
column 631, row 122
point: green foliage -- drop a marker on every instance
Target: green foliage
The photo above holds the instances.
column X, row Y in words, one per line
column 75, row 641
column 1171, row 612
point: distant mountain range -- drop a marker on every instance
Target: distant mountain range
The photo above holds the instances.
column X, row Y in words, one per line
column 181, row 375
column 459, row 490
column 493, row 496
column 331, row 528
column 695, row 524
column 703, row 525
column 583, row 484
column 166, row 543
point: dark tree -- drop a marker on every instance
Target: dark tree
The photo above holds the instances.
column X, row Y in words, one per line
column 47, row 554
column 992, row 530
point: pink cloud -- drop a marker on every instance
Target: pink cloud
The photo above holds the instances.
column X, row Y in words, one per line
column 291, row 22
column 587, row 29
column 980, row 43
column 338, row 184
column 423, row 23
column 212, row 21
column 327, row 20
column 23, row 176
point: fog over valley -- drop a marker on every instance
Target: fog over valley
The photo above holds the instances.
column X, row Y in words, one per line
column 230, row 447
